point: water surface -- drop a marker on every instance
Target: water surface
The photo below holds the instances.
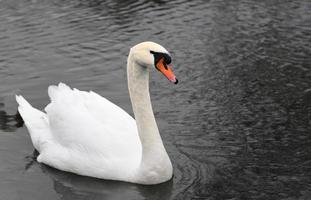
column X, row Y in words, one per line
column 237, row 126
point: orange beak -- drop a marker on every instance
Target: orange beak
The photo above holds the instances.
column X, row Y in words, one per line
column 166, row 71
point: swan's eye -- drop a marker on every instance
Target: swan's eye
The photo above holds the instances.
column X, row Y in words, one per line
column 158, row 56
column 167, row 59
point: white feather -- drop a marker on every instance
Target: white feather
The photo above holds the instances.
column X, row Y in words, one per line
column 86, row 131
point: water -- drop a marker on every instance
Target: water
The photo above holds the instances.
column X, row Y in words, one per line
column 238, row 126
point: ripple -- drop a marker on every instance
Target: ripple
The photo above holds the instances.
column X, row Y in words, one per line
column 236, row 127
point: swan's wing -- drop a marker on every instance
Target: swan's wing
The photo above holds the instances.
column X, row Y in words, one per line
column 105, row 111
column 88, row 122
column 83, row 133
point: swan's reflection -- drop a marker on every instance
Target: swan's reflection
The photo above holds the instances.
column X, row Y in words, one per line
column 9, row 123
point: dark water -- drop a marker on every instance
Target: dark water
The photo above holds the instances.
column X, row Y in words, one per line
column 238, row 126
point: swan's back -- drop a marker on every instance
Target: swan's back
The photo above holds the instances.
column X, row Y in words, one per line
column 84, row 133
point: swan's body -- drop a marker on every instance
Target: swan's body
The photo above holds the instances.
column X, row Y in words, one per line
column 84, row 133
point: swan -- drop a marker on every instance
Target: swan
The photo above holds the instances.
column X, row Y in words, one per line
column 86, row 134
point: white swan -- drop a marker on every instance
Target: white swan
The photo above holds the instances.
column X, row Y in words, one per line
column 84, row 133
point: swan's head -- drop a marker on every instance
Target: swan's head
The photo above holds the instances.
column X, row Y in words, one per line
column 153, row 55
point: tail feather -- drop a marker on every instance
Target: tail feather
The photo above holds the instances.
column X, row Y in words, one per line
column 35, row 121
column 22, row 101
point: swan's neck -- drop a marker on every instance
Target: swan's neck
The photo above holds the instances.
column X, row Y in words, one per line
column 154, row 156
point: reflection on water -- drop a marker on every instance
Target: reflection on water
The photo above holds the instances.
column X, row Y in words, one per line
column 236, row 127
column 8, row 122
